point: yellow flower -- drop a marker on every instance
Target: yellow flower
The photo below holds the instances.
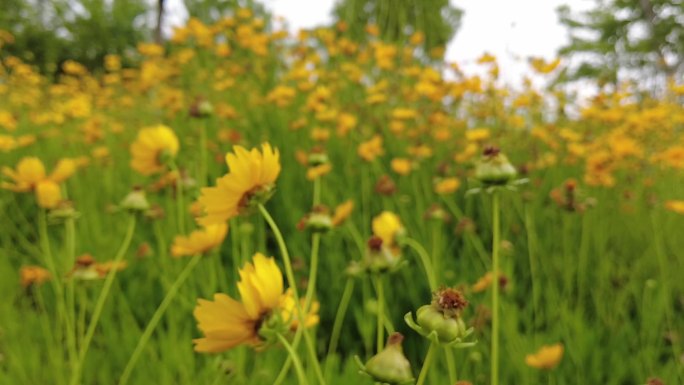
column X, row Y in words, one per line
column 150, row 148
column 227, row 323
column 371, row 149
column 342, row 212
column 33, row 275
column 477, row 134
column 447, row 186
column 547, row 357
column 252, row 176
column 30, row 171
column 48, row 194
column 401, row 166
column 289, row 313
column 675, row 206
column 387, row 226
column 318, row 171
column 199, row 241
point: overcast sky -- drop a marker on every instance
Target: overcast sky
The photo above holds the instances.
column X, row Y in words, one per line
column 512, row 30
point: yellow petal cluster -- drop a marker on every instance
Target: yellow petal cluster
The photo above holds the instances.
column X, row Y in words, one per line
column 227, row 323
column 547, row 357
column 251, row 172
column 199, row 241
column 151, row 146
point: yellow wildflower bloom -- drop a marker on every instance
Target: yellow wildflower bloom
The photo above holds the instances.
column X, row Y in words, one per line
column 289, row 312
column 547, row 357
column 371, row 149
column 30, row 171
column 227, row 323
column 447, row 186
column 151, row 146
column 48, row 194
column 199, row 241
column 30, row 275
column 675, row 206
column 401, row 166
column 387, row 226
column 318, row 171
column 252, row 174
column 342, row 212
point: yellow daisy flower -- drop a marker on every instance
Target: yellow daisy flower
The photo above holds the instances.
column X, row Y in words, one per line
column 387, row 226
column 150, row 148
column 251, row 178
column 227, row 323
column 199, row 241
column 547, row 357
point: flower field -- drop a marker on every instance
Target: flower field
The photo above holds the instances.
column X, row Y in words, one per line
column 243, row 206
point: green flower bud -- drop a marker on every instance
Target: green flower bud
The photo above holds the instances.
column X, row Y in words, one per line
column 318, row 221
column 135, row 201
column 201, row 108
column 447, row 328
column 380, row 258
column 390, row 365
column 318, row 158
column 441, row 320
column 494, row 168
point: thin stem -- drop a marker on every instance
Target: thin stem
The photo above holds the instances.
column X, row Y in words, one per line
column 295, row 359
column 157, row 316
column 531, row 251
column 203, row 153
column 313, row 272
column 664, row 272
column 63, row 319
column 289, row 273
column 70, row 246
column 99, row 305
column 380, row 309
column 495, row 288
column 426, row 364
column 180, row 206
column 425, row 260
column 451, row 364
column 339, row 319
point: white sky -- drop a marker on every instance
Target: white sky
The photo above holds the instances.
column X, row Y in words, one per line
column 512, row 30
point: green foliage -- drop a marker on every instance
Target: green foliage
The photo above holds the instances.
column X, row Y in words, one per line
column 49, row 33
column 437, row 19
column 643, row 36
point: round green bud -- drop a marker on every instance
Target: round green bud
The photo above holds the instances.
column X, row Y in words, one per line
column 390, row 365
column 447, row 328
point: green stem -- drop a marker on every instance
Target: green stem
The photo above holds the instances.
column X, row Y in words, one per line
column 180, row 206
column 99, row 305
column 337, row 324
column 495, row 288
column 426, row 364
column 380, row 309
column 295, row 359
column 311, row 285
column 289, row 273
column 70, row 245
column 157, row 316
column 203, row 153
column 425, row 260
column 63, row 319
column 665, row 268
column 531, row 251
column 451, row 364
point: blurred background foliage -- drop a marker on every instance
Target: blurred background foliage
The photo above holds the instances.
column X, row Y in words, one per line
column 614, row 39
column 639, row 39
